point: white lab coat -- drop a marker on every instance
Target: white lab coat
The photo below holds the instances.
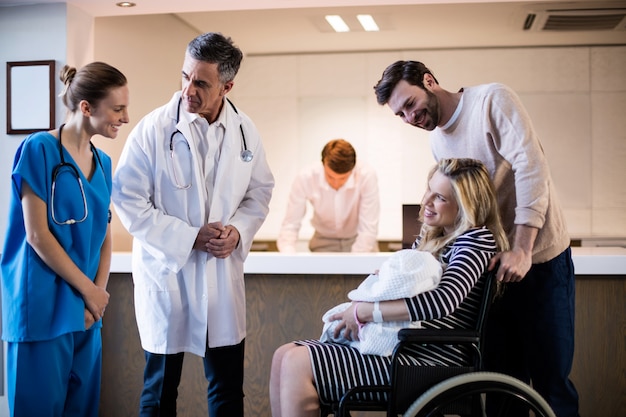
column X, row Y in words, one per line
column 181, row 293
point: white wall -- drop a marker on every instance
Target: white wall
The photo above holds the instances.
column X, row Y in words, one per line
column 149, row 50
column 300, row 102
column 26, row 34
column 575, row 95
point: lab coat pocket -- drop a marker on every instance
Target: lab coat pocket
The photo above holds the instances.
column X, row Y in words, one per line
column 159, row 314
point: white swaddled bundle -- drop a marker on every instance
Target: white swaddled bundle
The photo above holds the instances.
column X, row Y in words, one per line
column 406, row 273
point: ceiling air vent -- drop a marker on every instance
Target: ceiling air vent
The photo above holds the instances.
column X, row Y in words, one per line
column 576, row 20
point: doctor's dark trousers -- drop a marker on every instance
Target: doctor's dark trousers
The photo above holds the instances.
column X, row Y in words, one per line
column 530, row 333
column 223, row 368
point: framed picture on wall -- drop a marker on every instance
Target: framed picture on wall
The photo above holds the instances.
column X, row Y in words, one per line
column 30, row 96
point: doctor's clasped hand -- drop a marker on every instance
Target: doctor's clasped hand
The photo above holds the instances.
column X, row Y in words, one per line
column 217, row 240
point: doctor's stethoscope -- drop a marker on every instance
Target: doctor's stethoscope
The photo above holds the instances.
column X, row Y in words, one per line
column 246, row 154
column 74, row 171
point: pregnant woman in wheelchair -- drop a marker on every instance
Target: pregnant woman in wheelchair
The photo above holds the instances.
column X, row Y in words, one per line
column 461, row 228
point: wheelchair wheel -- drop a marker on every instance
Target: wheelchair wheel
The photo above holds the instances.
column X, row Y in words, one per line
column 512, row 392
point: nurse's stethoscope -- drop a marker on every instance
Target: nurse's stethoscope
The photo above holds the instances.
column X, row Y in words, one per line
column 74, row 171
column 246, row 154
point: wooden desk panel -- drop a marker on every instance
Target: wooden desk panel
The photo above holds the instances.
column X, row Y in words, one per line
column 282, row 308
column 599, row 370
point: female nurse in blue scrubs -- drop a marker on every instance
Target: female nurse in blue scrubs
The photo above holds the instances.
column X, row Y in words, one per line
column 57, row 253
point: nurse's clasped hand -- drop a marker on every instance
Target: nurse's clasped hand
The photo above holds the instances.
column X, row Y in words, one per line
column 89, row 319
column 96, row 299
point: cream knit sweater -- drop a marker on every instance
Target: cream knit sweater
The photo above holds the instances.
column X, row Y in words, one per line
column 493, row 127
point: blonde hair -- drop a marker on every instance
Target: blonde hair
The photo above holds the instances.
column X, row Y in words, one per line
column 475, row 195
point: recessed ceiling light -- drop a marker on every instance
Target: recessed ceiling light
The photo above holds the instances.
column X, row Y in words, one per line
column 125, row 4
column 368, row 22
column 337, row 23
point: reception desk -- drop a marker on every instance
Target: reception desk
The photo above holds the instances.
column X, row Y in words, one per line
column 288, row 294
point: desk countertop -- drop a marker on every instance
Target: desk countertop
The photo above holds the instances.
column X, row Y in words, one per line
column 587, row 261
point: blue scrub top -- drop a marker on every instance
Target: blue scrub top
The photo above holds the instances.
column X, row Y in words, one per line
column 37, row 304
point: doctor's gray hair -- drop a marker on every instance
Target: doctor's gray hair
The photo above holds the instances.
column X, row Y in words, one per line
column 215, row 48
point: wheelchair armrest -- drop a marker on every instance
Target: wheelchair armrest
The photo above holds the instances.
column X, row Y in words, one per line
column 438, row 336
column 354, row 399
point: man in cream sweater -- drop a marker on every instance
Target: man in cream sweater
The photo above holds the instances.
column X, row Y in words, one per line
column 531, row 329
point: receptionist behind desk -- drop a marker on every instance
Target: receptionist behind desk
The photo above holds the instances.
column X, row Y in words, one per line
column 345, row 200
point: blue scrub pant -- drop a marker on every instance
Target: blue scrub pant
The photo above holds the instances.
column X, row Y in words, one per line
column 55, row 378
column 223, row 368
column 530, row 333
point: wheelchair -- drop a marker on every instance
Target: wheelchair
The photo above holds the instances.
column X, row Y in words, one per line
column 429, row 391
column 443, row 397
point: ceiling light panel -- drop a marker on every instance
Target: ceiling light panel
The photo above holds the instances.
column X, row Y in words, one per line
column 368, row 22
column 353, row 22
column 337, row 23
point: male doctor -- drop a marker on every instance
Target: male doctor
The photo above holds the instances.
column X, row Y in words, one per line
column 193, row 187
